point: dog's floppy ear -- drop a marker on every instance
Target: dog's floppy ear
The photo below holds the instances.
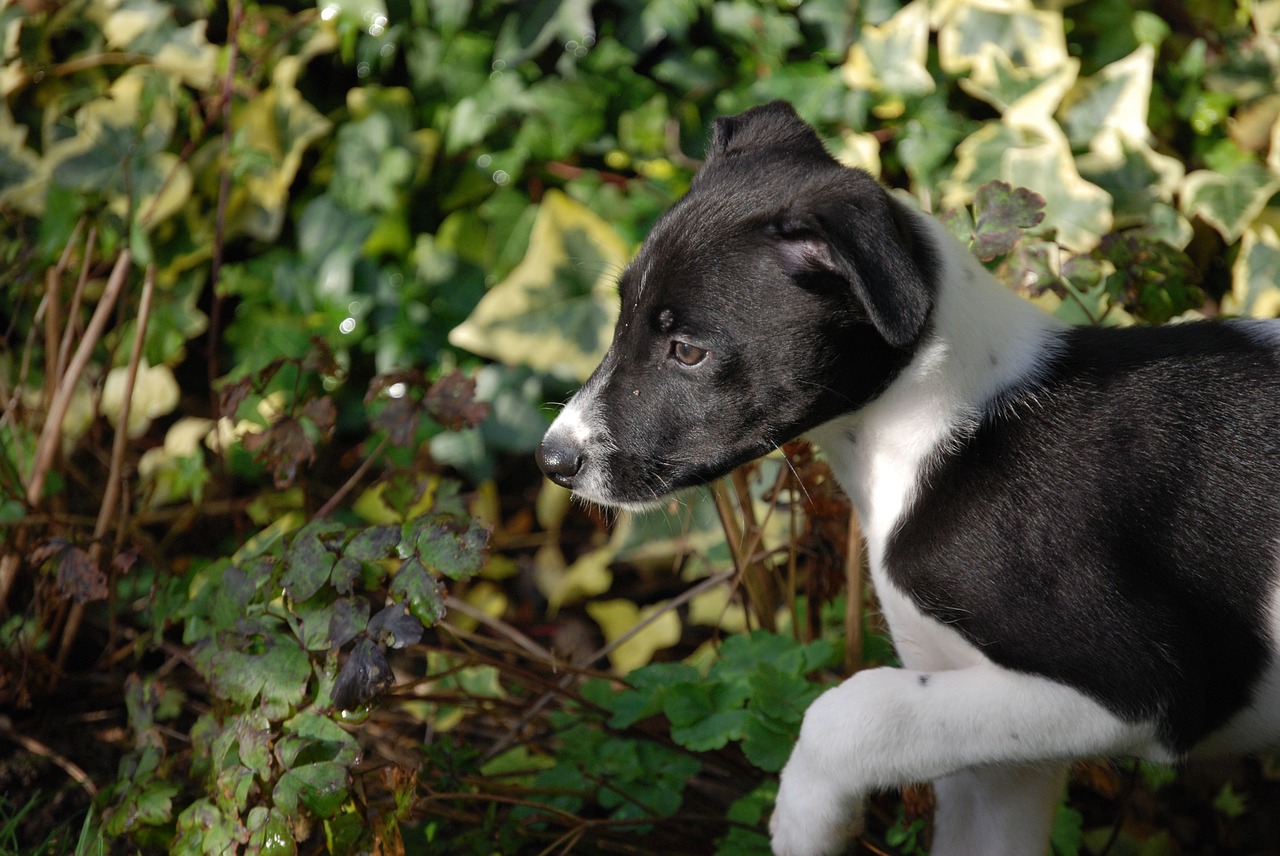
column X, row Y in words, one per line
column 863, row 237
column 772, row 125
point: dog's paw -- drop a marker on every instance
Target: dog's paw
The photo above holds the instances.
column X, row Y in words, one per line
column 810, row 818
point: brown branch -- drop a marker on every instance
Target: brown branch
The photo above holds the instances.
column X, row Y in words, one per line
column 351, row 482
column 115, row 478
column 51, row 434
column 35, row 747
column 73, row 313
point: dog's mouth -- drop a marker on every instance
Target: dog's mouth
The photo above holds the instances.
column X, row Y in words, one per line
column 604, row 475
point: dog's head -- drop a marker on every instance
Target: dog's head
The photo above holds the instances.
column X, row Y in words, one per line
column 782, row 291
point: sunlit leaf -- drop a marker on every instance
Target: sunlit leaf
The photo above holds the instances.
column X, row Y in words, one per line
column 1229, row 201
column 618, row 617
column 147, row 27
column 1111, row 106
column 279, row 125
column 556, row 310
column 1255, row 276
column 421, row 589
column 1080, row 211
column 892, row 57
column 972, row 36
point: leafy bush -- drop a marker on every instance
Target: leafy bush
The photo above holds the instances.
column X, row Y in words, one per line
column 284, row 290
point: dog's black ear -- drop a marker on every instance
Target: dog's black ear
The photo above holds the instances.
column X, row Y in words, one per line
column 772, row 125
column 868, row 240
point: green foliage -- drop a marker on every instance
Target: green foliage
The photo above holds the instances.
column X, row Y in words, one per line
column 360, row 245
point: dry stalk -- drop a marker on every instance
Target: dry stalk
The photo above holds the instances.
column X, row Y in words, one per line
column 115, row 477
column 51, row 434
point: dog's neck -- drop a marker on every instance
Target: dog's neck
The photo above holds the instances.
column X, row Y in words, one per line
column 982, row 339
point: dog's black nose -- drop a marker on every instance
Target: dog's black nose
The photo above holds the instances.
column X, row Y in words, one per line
column 559, row 460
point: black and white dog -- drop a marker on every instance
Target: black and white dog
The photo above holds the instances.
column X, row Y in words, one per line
column 1074, row 533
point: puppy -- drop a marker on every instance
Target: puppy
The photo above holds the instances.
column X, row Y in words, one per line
column 1073, row 533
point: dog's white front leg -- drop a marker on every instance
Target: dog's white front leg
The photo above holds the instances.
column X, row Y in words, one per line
column 997, row 811
column 884, row 727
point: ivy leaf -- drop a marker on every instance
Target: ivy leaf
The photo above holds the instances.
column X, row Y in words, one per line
column 619, row 617
column 892, row 57
column 1113, row 102
column 278, row 125
column 1003, row 212
column 1229, row 201
column 971, row 37
column 1080, row 211
column 1255, row 275
column 556, row 310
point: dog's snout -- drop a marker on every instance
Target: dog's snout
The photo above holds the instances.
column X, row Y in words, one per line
column 560, row 459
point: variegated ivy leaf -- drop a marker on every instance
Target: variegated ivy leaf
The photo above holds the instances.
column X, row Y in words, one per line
column 120, row 152
column 1142, row 183
column 979, row 159
column 972, row 36
column 1111, row 106
column 19, row 166
column 556, row 310
column 1025, row 96
column 1229, row 201
column 270, row 134
column 891, row 57
column 1080, row 211
column 147, row 27
column 1255, row 276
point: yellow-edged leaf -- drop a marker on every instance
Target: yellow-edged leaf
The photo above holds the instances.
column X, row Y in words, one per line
column 556, row 310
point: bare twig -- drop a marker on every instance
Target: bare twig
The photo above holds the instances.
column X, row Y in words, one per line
column 35, row 747
column 73, row 313
column 52, row 431
column 115, row 477
column 332, row 502
column 542, row 701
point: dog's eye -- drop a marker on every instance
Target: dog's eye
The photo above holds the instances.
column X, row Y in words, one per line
column 686, row 354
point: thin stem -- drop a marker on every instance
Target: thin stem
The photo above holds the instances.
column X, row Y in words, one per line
column 115, row 479
column 51, row 434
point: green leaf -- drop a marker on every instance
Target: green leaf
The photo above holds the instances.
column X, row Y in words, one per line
column 421, row 589
column 766, row 744
column 449, row 545
column 1080, row 211
column 308, row 561
column 1229, row 202
column 1255, row 275
column 555, row 311
column 1068, row 832
column 319, row 787
column 892, row 57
